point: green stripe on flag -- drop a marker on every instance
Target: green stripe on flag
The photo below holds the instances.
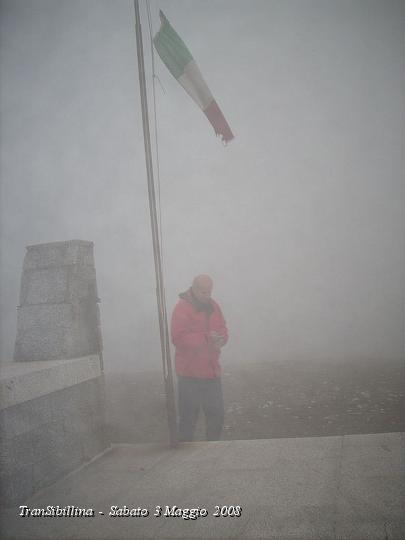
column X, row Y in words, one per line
column 171, row 48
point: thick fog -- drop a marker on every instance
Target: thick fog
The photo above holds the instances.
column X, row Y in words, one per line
column 300, row 220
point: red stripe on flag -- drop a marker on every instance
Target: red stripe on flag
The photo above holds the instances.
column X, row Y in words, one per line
column 218, row 122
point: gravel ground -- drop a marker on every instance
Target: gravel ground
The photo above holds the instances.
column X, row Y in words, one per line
column 264, row 401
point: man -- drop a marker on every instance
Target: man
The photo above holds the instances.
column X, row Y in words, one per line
column 198, row 331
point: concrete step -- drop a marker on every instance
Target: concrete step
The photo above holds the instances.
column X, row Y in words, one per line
column 345, row 487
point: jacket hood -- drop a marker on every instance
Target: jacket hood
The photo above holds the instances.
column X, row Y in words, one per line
column 189, row 297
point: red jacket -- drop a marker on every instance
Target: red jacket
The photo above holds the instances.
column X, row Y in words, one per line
column 191, row 324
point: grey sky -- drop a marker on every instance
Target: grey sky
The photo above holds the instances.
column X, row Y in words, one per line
column 300, row 220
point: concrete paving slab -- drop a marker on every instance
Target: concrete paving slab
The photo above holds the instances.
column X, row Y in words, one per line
column 309, row 523
column 372, row 487
column 348, row 488
column 242, row 455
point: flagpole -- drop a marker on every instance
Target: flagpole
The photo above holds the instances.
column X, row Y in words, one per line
column 160, row 294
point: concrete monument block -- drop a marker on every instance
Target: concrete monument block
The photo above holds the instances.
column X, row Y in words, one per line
column 56, row 254
column 57, row 284
column 52, row 406
column 58, row 316
column 52, row 420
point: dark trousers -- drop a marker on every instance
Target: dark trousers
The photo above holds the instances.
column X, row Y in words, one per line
column 193, row 394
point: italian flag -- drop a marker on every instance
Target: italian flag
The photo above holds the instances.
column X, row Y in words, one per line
column 182, row 66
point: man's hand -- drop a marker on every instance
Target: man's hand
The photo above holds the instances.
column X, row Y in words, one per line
column 217, row 339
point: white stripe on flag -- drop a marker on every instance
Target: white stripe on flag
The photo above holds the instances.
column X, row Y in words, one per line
column 193, row 83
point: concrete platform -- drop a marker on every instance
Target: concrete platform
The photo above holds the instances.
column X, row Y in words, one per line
column 346, row 487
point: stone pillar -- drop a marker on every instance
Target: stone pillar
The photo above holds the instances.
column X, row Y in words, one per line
column 58, row 316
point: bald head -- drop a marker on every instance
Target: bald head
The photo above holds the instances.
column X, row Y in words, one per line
column 202, row 288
